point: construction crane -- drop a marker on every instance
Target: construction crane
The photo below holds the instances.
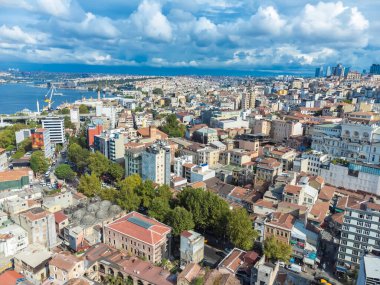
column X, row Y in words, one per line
column 49, row 98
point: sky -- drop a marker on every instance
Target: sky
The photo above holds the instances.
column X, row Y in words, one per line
column 189, row 36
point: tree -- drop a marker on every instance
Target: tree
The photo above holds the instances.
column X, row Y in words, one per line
column 127, row 198
column 239, row 229
column 158, row 91
column 116, row 171
column 110, row 194
column 65, row 172
column 172, row 127
column 68, row 124
column 193, row 201
column 89, row 185
column 78, row 155
column 159, row 209
column 164, row 192
column 64, row 111
column 277, row 250
column 146, row 192
column 38, row 163
column 180, row 220
column 83, row 109
column 98, row 163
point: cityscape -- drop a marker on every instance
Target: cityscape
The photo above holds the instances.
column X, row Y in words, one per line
column 205, row 143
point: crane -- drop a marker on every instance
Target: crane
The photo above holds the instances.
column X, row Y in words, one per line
column 49, row 97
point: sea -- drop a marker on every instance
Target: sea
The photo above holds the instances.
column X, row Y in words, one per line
column 14, row 97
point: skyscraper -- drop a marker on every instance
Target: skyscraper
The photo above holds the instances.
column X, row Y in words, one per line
column 375, row 69
column 319, row 71
column 328, row 71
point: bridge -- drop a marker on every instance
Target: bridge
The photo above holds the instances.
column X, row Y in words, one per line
column 37, row 117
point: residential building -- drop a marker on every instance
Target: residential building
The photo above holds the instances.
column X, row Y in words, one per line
column 140, row 236
column 279, row 225
column 179, row 162
column 156, row 163
column 22, row 135
column 95, row 128
column 133, row 160
column 116, row 147
column 369, row 272
column 201, row 173
column 267, row 169
column 248, row 100
column 40, row 226
column 360, row 232
column 13, row 238
column 202, row 154
column 191, row 247
column 65, row 266
column 314, row 161
column 264, row 272
column 205, row 135
column 33, row 262
column 282, row 130
column 41, row 140
column 15, row 179
column 189, row 274
column 56, row 127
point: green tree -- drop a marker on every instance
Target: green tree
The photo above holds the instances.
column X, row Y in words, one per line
column 38, row 163
column 193, row 201
column 110, row 194
column 98, row 163
column 277, row 250
column 159, row 209
column 78, row 155
column 239, row 229
column 64, row 171
column 158, row 91
column 68, row 124
column 172, row 127
column 116, row 171
column 146, row 192
column 127, row 198
column 83, row 109
column 164, row 192
column 89, row 185
column 64, row 111
column 218, row 212
column 180, row 220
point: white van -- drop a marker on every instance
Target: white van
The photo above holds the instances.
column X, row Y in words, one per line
column 295, row 268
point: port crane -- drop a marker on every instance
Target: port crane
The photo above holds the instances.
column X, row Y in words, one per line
column 49, row 97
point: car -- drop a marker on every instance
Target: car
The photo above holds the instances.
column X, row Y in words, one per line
column 295, row 268
column 282, row 264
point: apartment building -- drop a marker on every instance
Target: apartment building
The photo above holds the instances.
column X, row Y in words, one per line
column 13, row 238
column 140, row 236
column 40, row 225
column 279, row 225
column 111, row 145
column 56, row 127
column 41, row 140
column 156, row 163
column 202, row 154
column 65, row 266
column 360, row 231
column 369, row 270
column 267, row 169
column 133, row 160
column 179, row 162
column 248, row 100
column 314, row 161
column 191, row 247
column 282, row 130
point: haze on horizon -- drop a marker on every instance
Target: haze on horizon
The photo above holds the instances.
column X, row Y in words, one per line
column 226, row 35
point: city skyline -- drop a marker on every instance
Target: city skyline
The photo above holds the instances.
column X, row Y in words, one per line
column 201, row 37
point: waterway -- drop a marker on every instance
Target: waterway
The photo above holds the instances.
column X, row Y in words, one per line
column 16, row 97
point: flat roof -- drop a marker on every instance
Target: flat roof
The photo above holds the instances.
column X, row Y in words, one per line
column 372, row 266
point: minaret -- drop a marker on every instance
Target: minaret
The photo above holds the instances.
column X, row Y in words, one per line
column 38, row 107
column 99, row 87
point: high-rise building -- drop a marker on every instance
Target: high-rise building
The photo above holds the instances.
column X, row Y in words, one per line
column 56, row 127
column 375, row 69
column 328, row 71
column 360, row 231
column 248, row 100
column 319, row 71
column 338, row 70
column 133, row 160
column 111, row 145
column 41, row 140
column 94, row 129
column 369, row 270
column 156, row 163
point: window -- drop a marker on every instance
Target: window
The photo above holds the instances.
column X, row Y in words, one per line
column 355, row 252
column 367, row 225
column 359, row 223
column 345, row 235
column 346, row 220
column 354, row 259
column 359, row 231
column 356, row 245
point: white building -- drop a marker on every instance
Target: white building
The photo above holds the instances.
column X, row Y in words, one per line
column 360, row 231
column 201, row 173
column 74, row 115
column 369, row 273
column 179, row 162
column 56, row 128
column 191, row 247
column 13, row 238
column 355, row 176
column 314, row 161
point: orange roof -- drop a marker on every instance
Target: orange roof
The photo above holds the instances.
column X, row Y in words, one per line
column 64, row 261
column 326, row 193
column 145, row 132
column 35, row 214
column 59, row 217
column 319, row 211
column 12, row 175
column 282, row 220
column 293, row 189
column 10, row 277
column 140, row 227
column 264, row 203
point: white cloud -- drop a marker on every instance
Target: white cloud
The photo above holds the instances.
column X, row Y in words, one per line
column 267, row 20
column 15, row 34
column 332, row 22
column 92, row 25
column 151, row 22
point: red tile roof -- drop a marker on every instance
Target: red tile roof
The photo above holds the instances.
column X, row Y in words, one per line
column 12, row 175
column 152, row 234
column 293, row 189
column 10, row 277
column 60, row 217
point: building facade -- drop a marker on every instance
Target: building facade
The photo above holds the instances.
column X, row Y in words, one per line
column 156, row 163
column 56, row 127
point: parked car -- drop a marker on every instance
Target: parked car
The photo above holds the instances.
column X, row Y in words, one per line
column 295, row 268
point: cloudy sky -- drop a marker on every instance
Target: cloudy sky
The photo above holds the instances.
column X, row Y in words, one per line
column 225, row 35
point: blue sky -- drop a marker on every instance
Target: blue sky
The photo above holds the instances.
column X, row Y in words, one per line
column 189, row 36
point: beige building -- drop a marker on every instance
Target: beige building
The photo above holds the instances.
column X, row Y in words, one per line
column 140, row 236
column 248, row 100
column 261, row 126
column 202, row 154
column 65, row 266
column 268, row 169
column 235, row 157
column 282, row 130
